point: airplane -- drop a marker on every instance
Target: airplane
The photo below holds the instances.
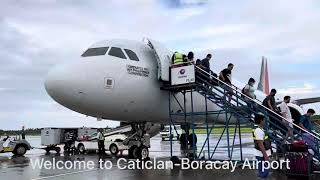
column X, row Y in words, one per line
column 121, row 80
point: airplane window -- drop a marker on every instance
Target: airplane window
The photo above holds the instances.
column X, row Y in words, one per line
column 132, row 55
column 95, row 51
column 117, row 52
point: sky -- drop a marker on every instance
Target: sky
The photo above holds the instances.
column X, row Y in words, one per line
column 37, row 35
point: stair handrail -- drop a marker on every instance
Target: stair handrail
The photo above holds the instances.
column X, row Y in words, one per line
column 231, row 86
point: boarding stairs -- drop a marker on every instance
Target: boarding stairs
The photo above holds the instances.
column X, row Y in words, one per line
column 243, row 108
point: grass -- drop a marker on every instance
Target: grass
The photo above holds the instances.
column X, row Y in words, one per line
column 220, row 130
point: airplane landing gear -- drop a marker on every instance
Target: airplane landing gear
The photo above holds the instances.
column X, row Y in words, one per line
column 138, row 141
column 141, row 152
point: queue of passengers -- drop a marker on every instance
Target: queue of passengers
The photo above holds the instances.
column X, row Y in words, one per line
column 225, row 76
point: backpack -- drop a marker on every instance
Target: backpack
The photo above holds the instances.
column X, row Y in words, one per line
column 242, row 91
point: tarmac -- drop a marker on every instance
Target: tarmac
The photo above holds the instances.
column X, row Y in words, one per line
column 24, row 168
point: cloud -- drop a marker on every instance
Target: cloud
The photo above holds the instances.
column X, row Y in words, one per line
column 299, row 92
column 36, row 35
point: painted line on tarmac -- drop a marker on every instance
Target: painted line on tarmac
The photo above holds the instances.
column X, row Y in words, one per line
column 64, row 174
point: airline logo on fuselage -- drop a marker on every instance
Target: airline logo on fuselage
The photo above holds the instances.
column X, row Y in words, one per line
column 138, row 71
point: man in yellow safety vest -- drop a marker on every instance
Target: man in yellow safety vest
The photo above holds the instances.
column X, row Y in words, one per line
column 177, row 59
column 262, row 145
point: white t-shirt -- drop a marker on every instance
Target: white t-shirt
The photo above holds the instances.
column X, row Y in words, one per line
column 259, row 134
column 100, row 136
column 251, row 90
column 285, row 111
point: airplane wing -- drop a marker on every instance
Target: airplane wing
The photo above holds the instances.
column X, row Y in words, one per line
column 306, row 101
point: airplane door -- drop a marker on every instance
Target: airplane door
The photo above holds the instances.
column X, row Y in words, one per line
column 163, row 57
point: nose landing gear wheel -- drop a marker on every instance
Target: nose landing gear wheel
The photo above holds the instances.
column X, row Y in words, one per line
column 139, row 152
column 134, row 152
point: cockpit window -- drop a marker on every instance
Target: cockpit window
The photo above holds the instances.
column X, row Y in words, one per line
column 132, row 55
column 95, row 51
column 117, row 52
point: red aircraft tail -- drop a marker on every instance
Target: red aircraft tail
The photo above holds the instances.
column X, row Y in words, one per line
column 264, row 77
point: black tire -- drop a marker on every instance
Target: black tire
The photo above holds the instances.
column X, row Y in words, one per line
column 47, row 149
column 65, row 147
column 20, row 150
column 114, row 150
column 143, row 152
column 163, row 139
column 57, row 149
column 190, row 139
column 134, row 152
column 81, row 148
column 183, row 140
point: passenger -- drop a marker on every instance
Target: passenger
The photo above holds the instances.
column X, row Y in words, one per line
column 177, row 59
column 190, row 58
column 306, row 124
column 285, row 112
column 249, row 91
column 198, row 62
column 262, row 146
column 101, row 142
column 225, row 76
column 206, row 62
column 199, row 75
column 206, row 66
column 305, row 120
column 270, row 103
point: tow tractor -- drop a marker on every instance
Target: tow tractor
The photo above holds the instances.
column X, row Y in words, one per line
column 16, row 145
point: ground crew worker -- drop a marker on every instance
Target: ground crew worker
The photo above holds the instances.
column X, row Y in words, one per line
column 101, row 142
column 23, row 134
column 262, row 145
column 177, row 59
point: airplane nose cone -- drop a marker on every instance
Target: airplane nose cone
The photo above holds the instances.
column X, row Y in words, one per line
column 62, row 84
column 56, row 82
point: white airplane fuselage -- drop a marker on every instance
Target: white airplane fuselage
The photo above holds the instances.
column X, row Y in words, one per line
column 125, row 90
